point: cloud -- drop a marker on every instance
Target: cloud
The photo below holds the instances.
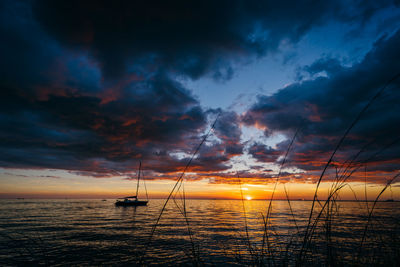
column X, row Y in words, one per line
column 92, row 87
column 264, row 153
column 27, row 176
column 67, row 131
column 228, row 131
column 193, row 38
column 324, row 107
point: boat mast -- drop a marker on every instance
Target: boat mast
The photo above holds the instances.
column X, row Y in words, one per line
column 138, row 177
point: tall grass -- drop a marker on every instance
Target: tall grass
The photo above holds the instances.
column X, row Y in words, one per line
column 173, row 193
column 303, row 247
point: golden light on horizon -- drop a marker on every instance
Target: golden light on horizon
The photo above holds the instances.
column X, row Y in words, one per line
column 249, row 198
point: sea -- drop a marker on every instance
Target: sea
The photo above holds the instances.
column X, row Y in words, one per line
column 82, row 232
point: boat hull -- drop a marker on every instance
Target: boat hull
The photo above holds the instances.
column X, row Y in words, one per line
column 131, row 203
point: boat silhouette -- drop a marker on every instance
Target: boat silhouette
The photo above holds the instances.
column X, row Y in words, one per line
column 133, row 200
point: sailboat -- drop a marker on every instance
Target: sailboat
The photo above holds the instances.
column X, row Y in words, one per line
column 133, row 200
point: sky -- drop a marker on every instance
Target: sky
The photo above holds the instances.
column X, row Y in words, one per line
column 91, row 88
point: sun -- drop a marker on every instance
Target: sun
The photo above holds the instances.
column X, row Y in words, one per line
column 249, row 198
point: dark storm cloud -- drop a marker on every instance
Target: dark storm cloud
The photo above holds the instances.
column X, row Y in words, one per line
column 188, row 37
column 91, row 86
column 264, row 153
column 67, row 131
column 324, row 107
column 228, row 131
column 58, row 112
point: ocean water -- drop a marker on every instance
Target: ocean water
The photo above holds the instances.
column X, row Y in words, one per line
column 222, row 232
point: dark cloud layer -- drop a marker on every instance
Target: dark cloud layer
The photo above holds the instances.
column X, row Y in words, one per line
column 92, row 86
column 192, row 38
